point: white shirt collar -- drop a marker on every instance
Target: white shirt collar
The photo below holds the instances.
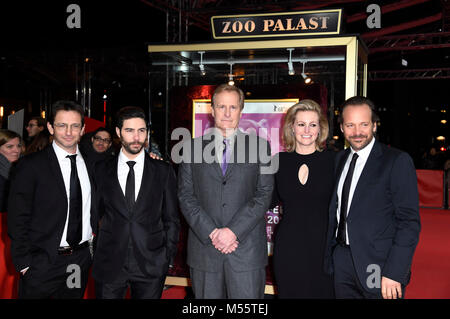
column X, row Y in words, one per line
column 61, row 153
column 365, row 152
column 138, row 159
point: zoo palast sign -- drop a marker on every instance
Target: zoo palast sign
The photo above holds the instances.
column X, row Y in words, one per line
column 323, row 22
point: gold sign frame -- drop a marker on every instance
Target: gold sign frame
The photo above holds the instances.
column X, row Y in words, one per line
column 258, row 25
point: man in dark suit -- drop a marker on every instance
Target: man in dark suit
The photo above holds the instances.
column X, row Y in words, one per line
column 139, row 221
column 50, row 221
column 374, row 220
column 224, row 199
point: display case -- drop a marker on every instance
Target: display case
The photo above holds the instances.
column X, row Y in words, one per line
column 325, row 69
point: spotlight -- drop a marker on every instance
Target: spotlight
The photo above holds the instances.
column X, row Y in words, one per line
column 290, row 64
column 291, row 68
column 404, row 62
column 306, row 78
column 230, row 75
column 202, row 69
column 201, row 66
column 440, row 138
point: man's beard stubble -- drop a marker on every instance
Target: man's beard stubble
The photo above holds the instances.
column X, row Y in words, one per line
column 127, row 146
column 365, row 143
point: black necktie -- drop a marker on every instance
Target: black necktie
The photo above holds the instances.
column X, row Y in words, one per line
column 344, row 201
column 74, row 228
column 129, row 188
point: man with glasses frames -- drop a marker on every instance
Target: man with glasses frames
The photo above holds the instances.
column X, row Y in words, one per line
column 97, row 146
column 101, row 140
column 35, row 125
column 49, row 215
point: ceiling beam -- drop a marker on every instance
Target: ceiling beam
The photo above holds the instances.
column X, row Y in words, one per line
column 385, row 9
column 423, row 41
column 409, row 74
column 403, row 26
column 165, row 7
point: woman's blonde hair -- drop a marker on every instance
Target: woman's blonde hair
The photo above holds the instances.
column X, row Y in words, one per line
column 288, row 134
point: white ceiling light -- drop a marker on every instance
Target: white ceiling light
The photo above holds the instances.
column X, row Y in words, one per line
column 305, row 77
column 291, row 70
column 201, row 66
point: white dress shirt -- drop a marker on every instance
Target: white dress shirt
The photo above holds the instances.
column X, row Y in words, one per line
column 123, row 169
column 363, row 155
column 66, row 168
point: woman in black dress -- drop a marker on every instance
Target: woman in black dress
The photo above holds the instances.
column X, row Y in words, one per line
column 304, row 183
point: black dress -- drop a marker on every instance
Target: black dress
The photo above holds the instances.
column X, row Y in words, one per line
column 300, row 237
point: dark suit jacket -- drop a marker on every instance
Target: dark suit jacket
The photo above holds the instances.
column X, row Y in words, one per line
column 383, row 221
column 238, row 200
column 37, row 206
column 153, row 226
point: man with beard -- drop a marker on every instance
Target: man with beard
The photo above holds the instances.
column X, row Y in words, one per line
column 374, row 221
column 139, row 223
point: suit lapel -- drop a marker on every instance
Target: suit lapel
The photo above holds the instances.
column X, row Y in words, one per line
column 339, row 167
column 234, row 155
column 216, row 168
column 370, row 168
column 56, row 170
column 233, row 158
column 113, row 181
column 147, row 180
column 90, row 172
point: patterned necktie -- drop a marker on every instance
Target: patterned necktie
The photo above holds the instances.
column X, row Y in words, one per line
column 341, row 235
column 225, row 155
column 129, row 187
column 74, row 227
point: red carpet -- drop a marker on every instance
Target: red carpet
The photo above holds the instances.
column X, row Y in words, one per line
column 431, row 263
column 430, row 268
column 174, row 293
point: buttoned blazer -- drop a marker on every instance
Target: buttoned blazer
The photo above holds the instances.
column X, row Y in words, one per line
column 238, row 200
column 152, row 226
column 37, row 206
column 383, row 221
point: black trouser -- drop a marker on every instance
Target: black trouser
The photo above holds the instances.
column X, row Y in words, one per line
column 346, row 282
column 65, row 278
column 142, row 286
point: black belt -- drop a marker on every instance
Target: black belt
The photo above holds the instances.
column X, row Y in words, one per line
column 69, row 250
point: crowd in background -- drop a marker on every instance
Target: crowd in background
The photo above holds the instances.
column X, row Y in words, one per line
column 97, row 145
